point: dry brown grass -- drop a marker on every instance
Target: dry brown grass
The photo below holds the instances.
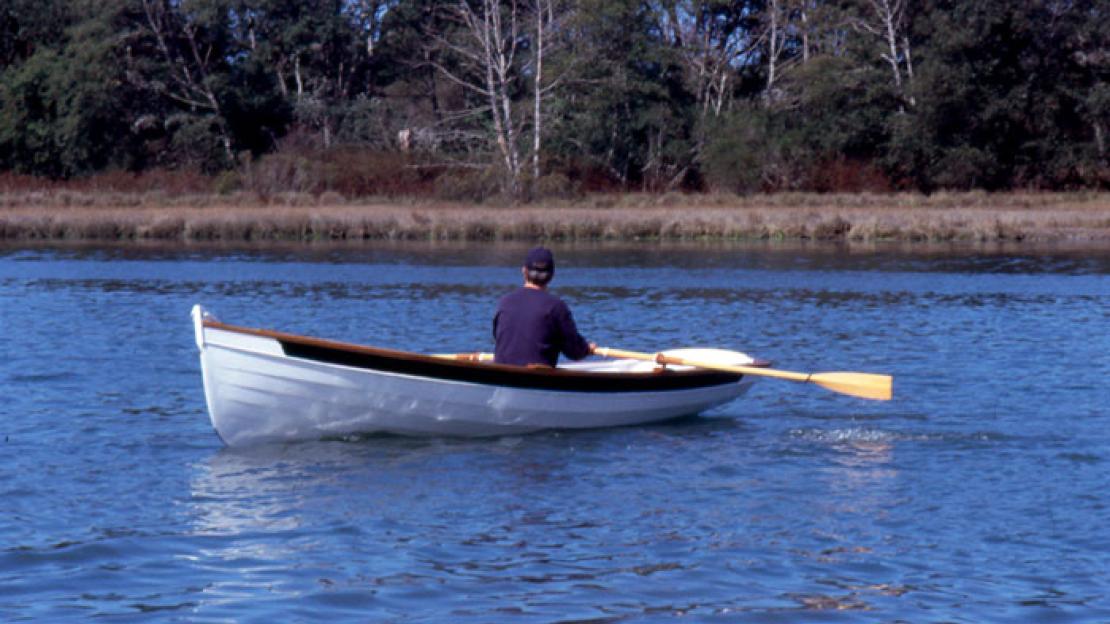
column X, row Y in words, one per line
column 155, row 215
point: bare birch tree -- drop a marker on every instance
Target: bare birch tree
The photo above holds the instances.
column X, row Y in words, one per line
column 887, row 22
column 368, row 16
column 544, row 15
column 190, row 62
column 498, row 46
column 803, row 16
column 484, row 55
column 549, row 19
column 713, row 40
column 776, row 21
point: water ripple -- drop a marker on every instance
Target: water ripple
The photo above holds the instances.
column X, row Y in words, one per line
column 976, row 495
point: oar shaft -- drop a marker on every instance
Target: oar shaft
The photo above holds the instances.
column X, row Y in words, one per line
column 863, row 385
column 662, row 358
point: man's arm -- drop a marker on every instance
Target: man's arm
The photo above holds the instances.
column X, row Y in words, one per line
column 574, row 345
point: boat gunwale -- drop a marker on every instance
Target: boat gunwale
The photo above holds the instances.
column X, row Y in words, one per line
column 539, row 378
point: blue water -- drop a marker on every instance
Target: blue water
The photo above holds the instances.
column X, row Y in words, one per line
column 979, row 494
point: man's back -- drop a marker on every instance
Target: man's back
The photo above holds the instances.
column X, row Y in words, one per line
column 532, row 326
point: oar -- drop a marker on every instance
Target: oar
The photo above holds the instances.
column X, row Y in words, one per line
column 863, row 385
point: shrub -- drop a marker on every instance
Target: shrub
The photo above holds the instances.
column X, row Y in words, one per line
column 227, row 183
column 474, row 185
column 842, row 175
column 737, row 153
column 349, row 171
column 361, row 173
column 556, row 186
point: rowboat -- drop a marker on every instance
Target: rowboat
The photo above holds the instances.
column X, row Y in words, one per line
column 269, row 386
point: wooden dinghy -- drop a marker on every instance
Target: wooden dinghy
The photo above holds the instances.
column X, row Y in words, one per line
column 269, row 386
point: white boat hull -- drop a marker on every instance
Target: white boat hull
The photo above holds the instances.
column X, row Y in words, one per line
column 258, row 393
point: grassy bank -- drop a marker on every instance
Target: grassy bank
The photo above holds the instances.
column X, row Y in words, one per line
column 981, row 217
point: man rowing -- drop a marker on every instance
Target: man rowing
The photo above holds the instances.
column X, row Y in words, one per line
column 532, row 326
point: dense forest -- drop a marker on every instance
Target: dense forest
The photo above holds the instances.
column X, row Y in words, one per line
column 539, row 97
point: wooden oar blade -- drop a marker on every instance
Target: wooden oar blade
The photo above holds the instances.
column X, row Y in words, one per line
column 863, row 385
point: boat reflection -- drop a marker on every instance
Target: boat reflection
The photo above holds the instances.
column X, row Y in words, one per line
column 279, row 487
column 375, row 479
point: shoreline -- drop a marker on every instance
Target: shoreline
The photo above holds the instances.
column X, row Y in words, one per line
column 1019, row 218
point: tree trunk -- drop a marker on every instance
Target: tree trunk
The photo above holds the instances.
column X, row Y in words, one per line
column 890, row 14
column 892, row 45
column 772, row 49
column 537, row 119
column 776, row 33
column 498, row 62
column 805, row 34
column 909, row 70
column 297, row 76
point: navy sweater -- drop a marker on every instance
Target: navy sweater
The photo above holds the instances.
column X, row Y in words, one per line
column 532, row 327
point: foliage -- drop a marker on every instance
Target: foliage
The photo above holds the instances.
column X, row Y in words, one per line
column 744, row 96
column 59, row 108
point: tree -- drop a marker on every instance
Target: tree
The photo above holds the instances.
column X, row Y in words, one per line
column 484, row 47
column 888, row 20
column 65, row 111
column 714, row 40
column 627, row 112
column 550, row 18
column 27, row 26
column 651, row 95
column 193, row 43
column 500, row 53
column 1002, row 96
column 318, row 54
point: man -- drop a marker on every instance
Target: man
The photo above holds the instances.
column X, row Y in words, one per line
column 532, row 326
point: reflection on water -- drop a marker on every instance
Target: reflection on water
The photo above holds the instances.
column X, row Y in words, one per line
column 1062, row 258
column 398, row 507
column 976, row 495
column 232, row 494
column 420, row 292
